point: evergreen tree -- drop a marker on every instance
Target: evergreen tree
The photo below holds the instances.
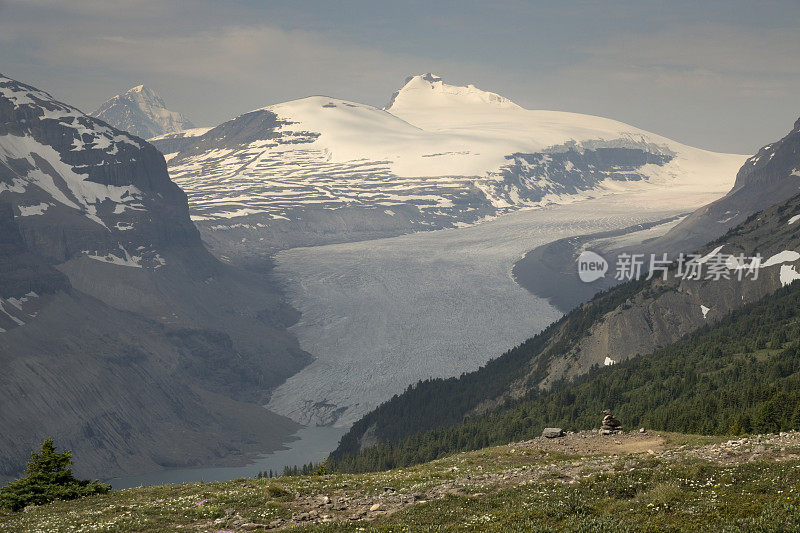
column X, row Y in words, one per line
column 48, row 478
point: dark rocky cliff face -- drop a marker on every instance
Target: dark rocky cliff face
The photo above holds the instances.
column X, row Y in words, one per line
column 21, row 272
column 106, row 192
column 771, row 163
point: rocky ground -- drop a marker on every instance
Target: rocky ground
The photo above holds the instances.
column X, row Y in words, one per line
column 667, row 480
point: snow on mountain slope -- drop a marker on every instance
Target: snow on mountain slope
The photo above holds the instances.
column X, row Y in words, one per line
column 433, row 105
column 142, row 112
column 170, row 144
column 493, row 122
column 321, row 152
column 431, row 88
column 437, row 156
column 75, row 191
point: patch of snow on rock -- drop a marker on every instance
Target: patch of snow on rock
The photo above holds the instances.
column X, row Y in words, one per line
column 33, row 210
column 125, row 260
column 786, row 256
column 788, row 274
column 709, row 255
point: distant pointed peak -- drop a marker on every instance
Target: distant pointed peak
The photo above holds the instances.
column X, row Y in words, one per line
column 142, row 112
column 431, row 90
column 145, row 96
column 141, row 89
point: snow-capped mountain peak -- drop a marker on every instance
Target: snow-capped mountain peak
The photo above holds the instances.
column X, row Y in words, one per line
column 142, row 112
column 430, row 90
column 145, row 96
column 437, row 156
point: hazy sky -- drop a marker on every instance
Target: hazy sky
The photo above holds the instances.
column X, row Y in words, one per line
column 722, row 75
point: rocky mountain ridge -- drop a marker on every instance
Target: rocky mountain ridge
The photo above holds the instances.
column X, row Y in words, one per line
column 767, row 178
column 120, row 334
column 770, row 176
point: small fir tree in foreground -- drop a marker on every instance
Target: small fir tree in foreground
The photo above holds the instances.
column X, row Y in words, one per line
column 48, row 478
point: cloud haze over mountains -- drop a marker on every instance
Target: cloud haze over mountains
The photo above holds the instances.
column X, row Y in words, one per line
column 243, row 55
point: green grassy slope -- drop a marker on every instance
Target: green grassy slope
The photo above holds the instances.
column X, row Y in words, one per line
column 583, row 482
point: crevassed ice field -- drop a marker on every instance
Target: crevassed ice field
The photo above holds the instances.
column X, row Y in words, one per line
column 379, row 315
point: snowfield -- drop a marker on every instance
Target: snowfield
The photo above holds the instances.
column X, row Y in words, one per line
column 444, row 150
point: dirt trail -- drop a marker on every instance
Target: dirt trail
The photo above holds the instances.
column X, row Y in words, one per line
column 592, row 443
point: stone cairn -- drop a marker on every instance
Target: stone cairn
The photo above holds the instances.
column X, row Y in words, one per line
column 610, row 424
